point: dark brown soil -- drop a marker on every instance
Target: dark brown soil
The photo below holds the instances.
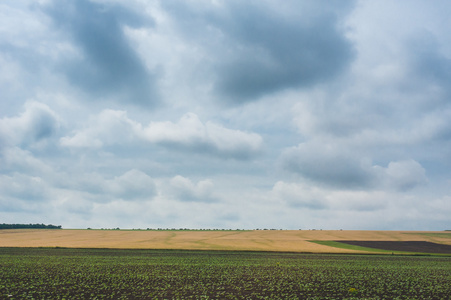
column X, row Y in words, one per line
column 407, row 246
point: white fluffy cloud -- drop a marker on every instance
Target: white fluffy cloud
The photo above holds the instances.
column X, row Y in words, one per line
column 189, row 134
column 108, row 128
column 404, row 175
column 299, row 195
column 185, row 190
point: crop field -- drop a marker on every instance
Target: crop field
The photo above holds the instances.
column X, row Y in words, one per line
column 236, row 240
column 61, row 273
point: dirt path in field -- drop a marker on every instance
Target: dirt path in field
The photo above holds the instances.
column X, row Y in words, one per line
column 253, row 240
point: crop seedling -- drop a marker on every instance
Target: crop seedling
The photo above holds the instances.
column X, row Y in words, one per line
column 46, row 273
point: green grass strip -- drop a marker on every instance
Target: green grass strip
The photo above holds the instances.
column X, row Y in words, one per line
column 353, row 247
column 432, row 234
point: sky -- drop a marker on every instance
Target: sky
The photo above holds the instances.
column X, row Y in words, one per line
column 226, row 114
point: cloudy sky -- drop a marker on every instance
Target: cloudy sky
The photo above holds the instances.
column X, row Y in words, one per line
column 226, row 114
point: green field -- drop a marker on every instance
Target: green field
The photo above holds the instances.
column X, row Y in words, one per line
column 58, row 273
column 351, row 247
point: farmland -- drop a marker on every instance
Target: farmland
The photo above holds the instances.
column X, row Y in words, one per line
column 55, row 273
column 236, row 240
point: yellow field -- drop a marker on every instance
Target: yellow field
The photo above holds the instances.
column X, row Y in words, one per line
column 258, row 240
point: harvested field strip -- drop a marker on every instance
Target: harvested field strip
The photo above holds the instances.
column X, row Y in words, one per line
column 257, row 240
column 405, row 246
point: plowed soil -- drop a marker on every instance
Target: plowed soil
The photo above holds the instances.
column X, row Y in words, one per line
column 405, row 246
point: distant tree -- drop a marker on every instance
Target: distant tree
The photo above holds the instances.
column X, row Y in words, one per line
column 29, row 226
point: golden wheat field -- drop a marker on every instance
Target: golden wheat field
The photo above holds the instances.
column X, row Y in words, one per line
column 255, row 240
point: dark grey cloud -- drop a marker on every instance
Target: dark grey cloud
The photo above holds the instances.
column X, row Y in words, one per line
column 42, row 125
column 432, row 68
column 109, row 66
column 264, row 50
column 294, row 55
column 327, row 165
column 37, row 123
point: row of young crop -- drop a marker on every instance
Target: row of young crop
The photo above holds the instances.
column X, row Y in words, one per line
column 125, row 274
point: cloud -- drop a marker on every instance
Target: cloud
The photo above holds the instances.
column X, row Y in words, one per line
column 23, row 38
column 189, row 134
column 293, row 114
column 185, row 190
column 299, row 195
column 259, row 48
column 303, row 195
column 15, row 159
column 78, row 198
column 431, row 66
column 110, row 127
column 24, row 187
column 328, row 164
column 37, row 123
column 332, row 165
column 132, row 185
column 360, row 201
column 405, row 175
column 108, row 65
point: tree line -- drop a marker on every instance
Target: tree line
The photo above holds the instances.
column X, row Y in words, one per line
column 29, row 226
